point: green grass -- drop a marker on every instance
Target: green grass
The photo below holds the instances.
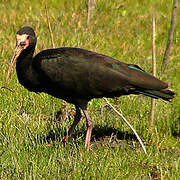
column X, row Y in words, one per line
column 30, row 136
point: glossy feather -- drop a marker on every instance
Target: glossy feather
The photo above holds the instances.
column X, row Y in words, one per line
column 76, row 73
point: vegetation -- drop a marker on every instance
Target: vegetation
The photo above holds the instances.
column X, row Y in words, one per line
column 30, row 134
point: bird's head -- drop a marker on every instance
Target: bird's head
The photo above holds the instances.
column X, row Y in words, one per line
column 25, row 40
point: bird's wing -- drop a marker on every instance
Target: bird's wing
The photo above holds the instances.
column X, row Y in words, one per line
column 88, row 73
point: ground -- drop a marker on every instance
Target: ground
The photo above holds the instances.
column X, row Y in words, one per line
column 30, row 133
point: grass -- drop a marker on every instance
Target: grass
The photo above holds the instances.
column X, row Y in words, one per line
column 30, row 135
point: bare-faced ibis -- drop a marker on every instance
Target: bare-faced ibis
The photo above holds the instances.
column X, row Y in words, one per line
column 78, row 75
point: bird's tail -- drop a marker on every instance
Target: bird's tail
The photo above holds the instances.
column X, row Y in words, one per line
column 165, row 94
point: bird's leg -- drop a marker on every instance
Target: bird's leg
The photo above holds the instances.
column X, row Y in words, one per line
column 77, row 118
column 89, row 129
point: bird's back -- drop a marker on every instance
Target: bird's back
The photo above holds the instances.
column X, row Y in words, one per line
column 78, row 73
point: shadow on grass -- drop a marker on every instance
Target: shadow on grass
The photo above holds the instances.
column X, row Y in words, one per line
column 99, row 135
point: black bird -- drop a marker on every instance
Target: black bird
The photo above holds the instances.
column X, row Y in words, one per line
column 78, row 75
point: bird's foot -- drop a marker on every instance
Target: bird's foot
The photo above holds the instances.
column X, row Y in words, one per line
column 65, row 140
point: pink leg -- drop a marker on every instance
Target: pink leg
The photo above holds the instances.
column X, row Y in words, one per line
column 89, row 129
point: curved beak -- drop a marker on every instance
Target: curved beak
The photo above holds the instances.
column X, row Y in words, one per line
column 17, row 52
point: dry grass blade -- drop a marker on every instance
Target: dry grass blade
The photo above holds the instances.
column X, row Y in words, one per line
column 91, row 6
column 129, row 125
column 49, row 26
column 153, row 66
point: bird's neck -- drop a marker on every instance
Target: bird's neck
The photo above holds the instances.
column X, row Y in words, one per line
column 24, row 62
column 25, row 72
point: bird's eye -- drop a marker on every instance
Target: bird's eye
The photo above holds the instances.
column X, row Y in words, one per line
column 28, row 37
column 22, row 43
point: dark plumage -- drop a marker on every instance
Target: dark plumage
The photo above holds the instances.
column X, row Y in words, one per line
column 77, row 76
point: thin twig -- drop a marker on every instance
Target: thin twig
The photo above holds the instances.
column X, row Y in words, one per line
column 153, row 66
column 129, row 125
column 49, row 26
column 170, row 36
column 91, row 6
column 3, row 87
